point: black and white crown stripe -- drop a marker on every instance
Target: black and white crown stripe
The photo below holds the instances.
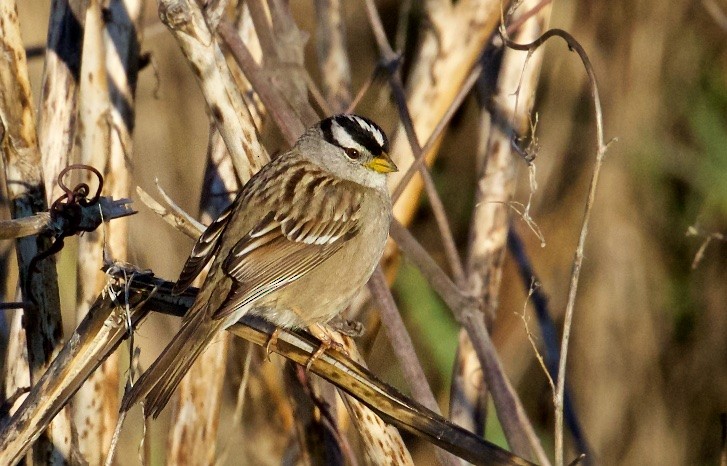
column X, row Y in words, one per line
column 351, row 131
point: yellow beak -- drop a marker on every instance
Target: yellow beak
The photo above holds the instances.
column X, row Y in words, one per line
column 382, row 164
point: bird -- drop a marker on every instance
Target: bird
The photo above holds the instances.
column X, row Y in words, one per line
column 301, row 237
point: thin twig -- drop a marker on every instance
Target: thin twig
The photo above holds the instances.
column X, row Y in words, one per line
column 401, row 341
column 578, row 259
column 172, row 216
column 534, row 285
column 549, row 334
column 186, row 22
column 440, row 213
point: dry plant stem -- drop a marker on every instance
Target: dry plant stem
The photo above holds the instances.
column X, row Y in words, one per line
column 519, row 432
column 26, row 226
column 468, row 391
column 286, row 69
column 259, row 15
column 117, row 71
column 95, row 406
column 17, row 375
column 497, row 169
column 279, row 109
column 186, row 22
column 186, row 225
column 281, row 72
column 382, row 442
column 196, row 414
column 317, row 438
column 59, row 89
column 246, row 30
column 24, row 181
column 549, row 335
column 578, row 259
column 401, row 341
column 332, row 54
column 239, row 404
column 437, row 131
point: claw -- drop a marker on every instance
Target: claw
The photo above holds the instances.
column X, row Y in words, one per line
column 327, row 339
column 273, row 340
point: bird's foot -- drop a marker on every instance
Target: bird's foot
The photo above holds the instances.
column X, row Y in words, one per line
column 328, row 339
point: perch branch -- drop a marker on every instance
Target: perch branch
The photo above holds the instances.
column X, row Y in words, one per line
column 103, row 329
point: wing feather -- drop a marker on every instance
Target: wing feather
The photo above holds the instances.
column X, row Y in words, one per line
column 286, row 245
column 204, row 249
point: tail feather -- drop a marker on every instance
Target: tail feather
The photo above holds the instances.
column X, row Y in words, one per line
column 157, row 384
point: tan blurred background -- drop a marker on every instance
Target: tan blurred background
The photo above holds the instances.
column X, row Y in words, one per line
column 648, row 360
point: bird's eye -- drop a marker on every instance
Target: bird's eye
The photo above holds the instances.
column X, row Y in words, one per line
column 352, row 153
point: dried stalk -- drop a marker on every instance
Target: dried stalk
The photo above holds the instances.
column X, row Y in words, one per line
column 318, row 438
column 24, row 181
column 451, row 41
column 59, row 89
column 187, row 226
column 246, row 30
column 94, row 339
column 382, row 442
column 186, row 22
column 197, row 408
column 515, row 88
column 286, row 68
column 96, row 405
column 283, row 114
column 404, row 349
column 17, row 375
column 332, row 55
column 440, row 214
column 108, row 82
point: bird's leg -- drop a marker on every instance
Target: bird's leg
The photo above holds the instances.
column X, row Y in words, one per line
column 273, row 340
column 327, row 338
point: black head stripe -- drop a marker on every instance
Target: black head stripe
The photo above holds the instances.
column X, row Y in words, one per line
column 359, row 129
column 326, row 126
column 361, row 135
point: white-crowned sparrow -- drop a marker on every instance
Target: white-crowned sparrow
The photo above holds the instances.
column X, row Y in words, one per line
column 301, row 238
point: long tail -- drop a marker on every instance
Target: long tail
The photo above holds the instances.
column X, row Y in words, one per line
column 158, row 382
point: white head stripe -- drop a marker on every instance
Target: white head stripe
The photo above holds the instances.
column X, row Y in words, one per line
column 342, row 137
column 372, row 129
